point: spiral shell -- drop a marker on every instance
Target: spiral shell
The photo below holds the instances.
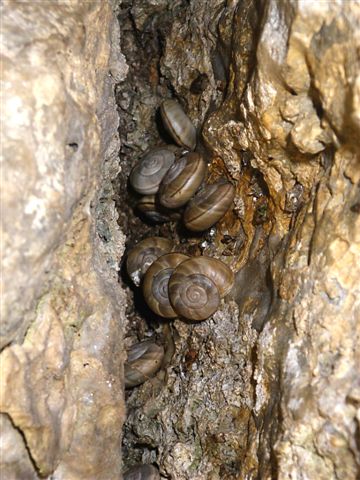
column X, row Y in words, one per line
column 208, row 206
column 155, row 285
column 147, row 174
column 182, row 180
column 178, row 124
column 148, row 206
column 142, row 472
column 196, row 286
column 143, row 361
column 144, row 254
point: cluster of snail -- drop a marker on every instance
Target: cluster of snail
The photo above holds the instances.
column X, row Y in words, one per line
column 176, row 285
column 168, row 183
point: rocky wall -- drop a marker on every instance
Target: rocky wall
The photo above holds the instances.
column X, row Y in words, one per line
column 269, row 386
column 62, row 312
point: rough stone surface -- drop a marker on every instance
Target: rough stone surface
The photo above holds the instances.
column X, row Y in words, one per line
column 63, row 313
column 269, row 387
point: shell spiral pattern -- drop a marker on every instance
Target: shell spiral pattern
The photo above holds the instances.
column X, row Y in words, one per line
column 208, row 206
column 178, row 124
column 147, row 174
column 144, row 254
column 194, row 296
column 219, row 279
column 182, row 180
column 155, row 285
column 143, row 361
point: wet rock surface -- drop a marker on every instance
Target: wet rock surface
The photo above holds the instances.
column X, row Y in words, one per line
column 268, row 387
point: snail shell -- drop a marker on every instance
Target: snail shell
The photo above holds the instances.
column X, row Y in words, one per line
column 155, row 285
column 182, row 180
column 143, row 361
column 149, row 206
column 144, row 254
column 178, row 124
column 208, row 206
column 147, row 174
column 142, row 472
column 196, row 286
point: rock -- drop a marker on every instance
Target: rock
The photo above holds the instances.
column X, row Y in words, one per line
column 63, row 312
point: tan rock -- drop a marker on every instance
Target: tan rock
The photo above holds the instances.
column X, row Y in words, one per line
column 61, row 363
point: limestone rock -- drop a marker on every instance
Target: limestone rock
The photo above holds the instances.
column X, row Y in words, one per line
column 62, row 317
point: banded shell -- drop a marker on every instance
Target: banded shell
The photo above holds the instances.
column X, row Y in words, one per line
column 196, row 286
column 182, row 180
column 208, row 206
column 143, row 361
column 147, row 174
column 144, row 254
column 178, row 124
column 147, row 205
column 155, row 284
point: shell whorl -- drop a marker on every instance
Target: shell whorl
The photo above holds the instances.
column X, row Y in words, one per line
column 193, row 296
column 155, row 284
column 182, row 180
column 150, row 207
column 197, row 285
column 178, row 124
column 147, row 174
column 144, row 254
column 143, row 361
column 208, row 206
column 215, row 269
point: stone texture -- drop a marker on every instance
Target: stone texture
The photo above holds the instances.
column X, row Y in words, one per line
column 269, row 387
column 63, row 313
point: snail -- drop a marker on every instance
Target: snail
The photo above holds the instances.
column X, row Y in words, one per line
column 149, row 206
column 144, row 254
column 143, row 361
column 178, row 124
column 147, row 174
column 182, row 180
column 197, row 285
column 155, row 284
column 208, row 206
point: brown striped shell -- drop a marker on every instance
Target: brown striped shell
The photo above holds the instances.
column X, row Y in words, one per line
column 147, row 174
column 196, row 286
column 178, row 124
column 208, row 206
column 144, row 254
column 150, row 207
column 143, row 361
column 155, row 284
column 182, row 180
